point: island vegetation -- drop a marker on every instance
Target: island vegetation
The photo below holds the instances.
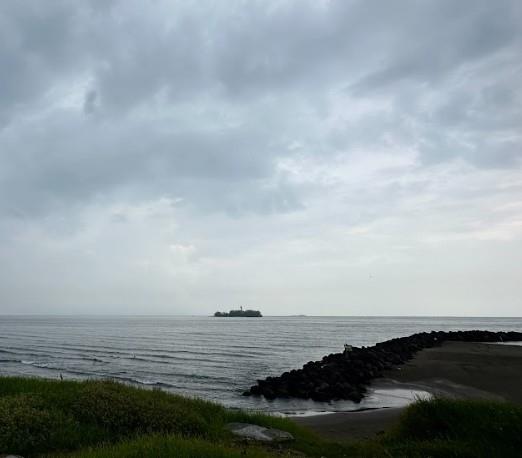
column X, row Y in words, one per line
column 240, row 313
column 95, row 419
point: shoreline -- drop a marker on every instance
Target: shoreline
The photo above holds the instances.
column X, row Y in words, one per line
column 381, row 395
column 456, row 370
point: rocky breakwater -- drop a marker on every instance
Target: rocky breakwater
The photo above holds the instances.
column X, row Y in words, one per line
column 346, row 375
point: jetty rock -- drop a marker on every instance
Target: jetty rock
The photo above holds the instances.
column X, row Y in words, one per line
column 346, row 375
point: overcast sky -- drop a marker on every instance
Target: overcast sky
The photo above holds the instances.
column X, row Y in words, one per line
column 316, row 157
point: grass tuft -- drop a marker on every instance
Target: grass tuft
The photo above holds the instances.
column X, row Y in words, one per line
column 460, row 428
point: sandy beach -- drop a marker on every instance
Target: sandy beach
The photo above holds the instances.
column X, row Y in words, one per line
column 456, row 369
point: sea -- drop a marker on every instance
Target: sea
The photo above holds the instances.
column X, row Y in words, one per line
column 206, row 357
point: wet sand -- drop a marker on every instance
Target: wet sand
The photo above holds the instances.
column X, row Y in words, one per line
column 459, row 370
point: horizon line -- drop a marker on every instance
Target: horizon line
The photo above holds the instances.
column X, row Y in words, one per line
column 264, row 316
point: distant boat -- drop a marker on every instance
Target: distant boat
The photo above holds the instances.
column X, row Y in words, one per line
column 240, row 312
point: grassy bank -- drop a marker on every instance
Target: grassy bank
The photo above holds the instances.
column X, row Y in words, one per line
column 106, row 419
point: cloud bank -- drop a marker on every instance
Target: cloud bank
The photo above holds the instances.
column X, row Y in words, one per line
column 315, row 157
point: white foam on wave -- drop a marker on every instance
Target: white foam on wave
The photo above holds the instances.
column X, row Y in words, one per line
column 148, row 382
column 516, row 343
column 35, row 364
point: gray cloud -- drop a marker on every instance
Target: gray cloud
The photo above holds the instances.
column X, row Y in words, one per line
column 463, row 34
column 275, row 140
column 89, row 104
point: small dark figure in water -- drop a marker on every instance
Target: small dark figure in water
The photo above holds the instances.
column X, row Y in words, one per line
column 61, row 376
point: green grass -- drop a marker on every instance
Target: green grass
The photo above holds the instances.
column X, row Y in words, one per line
column 42, row 416
column 172, row 446
column 94, row 419
column 464, row 428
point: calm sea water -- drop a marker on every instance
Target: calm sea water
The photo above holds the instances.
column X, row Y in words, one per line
column 211, row 358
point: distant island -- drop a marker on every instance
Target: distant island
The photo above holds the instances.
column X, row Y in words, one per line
column 240, row 312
